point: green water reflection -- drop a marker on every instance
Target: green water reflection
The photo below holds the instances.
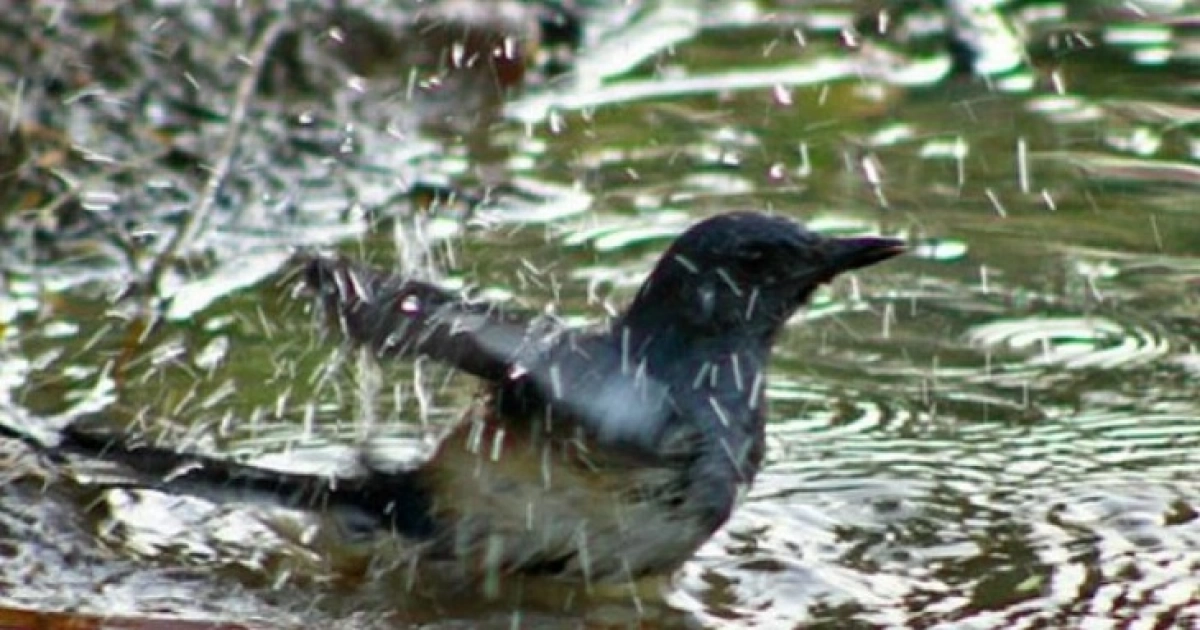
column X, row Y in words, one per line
column 997, row 431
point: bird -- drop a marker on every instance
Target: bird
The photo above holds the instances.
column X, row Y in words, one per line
column 590, row 455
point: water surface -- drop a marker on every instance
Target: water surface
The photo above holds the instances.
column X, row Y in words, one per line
column 996, row 431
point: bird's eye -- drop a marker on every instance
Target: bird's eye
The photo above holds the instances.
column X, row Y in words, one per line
column 750, row 260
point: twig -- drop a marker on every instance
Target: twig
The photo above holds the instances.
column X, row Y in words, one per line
column 237, row 117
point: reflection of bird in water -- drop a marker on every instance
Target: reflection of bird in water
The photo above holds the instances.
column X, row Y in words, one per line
column 599, row 456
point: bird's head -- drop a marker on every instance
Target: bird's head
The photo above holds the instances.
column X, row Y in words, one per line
column 745, row 272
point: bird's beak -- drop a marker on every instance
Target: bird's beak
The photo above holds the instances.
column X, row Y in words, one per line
column 846, row 254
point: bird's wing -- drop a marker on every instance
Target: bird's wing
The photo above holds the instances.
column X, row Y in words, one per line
column 401, row 317
column 584, row 377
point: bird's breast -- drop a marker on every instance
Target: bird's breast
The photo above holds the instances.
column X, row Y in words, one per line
column 519, row 499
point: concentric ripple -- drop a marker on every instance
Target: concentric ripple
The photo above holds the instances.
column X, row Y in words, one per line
column 1071, row 342
column 870, row 517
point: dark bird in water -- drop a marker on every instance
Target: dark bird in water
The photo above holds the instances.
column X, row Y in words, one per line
column 595, row 456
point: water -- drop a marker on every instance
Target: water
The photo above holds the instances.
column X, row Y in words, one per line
column 996, row 431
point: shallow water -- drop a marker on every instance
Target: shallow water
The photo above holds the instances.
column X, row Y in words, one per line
column 996, row 431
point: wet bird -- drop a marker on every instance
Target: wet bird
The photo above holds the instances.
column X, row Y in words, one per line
column 590, row 455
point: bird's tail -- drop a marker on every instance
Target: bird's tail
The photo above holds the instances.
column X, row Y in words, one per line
column 394, row 501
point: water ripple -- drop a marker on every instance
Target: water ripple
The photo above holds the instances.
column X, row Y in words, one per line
column 1072, row 342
